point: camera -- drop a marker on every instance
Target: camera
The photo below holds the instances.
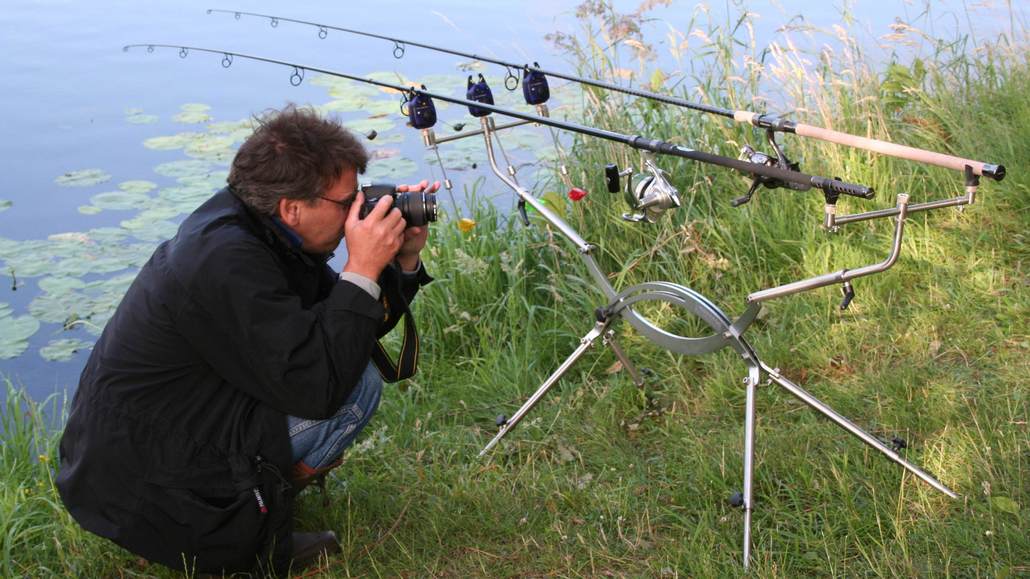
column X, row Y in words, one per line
column 417, row 207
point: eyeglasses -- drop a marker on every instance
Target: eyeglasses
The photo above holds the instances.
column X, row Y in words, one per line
column 345, row 205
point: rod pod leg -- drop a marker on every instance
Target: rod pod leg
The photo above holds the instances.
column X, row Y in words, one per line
column 584, row 344
column 753, row 377
column 856, row 431
column 634, row 374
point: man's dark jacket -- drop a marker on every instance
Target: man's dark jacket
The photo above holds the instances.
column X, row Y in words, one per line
column 176, row 446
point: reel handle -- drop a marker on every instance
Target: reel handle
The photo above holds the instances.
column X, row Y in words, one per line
column 611, row 177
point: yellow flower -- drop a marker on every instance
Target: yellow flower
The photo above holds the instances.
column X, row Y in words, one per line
column 465, row 224
column 44, row 458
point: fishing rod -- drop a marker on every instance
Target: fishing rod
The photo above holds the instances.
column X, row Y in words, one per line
column 771, row 123
column 800, row 181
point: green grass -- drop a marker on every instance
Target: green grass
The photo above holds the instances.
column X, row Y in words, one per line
column 603, row 478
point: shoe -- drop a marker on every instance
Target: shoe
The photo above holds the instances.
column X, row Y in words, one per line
column 308, row 547
column 303, row 475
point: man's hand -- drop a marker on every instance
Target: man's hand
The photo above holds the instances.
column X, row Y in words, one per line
column 414, row 237
column 374, row 241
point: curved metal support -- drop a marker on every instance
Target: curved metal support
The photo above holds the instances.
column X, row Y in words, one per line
column 552, row 217
column 843, row 275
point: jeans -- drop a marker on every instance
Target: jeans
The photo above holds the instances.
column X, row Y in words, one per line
column 317, row 443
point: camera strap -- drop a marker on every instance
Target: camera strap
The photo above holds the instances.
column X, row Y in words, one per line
column 407, row 359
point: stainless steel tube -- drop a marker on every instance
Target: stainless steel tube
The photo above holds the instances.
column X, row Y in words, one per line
column 846, row 424
column 584, row 345
column 496, row 127
column 914, row 208
column 844, row 274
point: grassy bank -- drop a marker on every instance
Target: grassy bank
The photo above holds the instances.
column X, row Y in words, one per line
column 607, row 479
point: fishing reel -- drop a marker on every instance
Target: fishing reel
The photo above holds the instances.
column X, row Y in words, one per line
column 749, row 154
column 650, row 195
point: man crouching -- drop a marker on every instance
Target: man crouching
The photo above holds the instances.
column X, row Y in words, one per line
column 238, row 366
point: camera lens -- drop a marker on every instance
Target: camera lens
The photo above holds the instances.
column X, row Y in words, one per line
column 417, row 208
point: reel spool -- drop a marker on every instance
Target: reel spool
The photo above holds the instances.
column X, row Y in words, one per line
column 649, row 195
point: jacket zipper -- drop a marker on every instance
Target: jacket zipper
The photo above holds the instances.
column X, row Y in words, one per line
column 284, row 486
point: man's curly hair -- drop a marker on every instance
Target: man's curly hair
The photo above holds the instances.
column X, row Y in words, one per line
column 295, row 154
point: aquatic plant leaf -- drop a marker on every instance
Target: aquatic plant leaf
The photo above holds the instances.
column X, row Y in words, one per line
column 184, row 168
column 391, row 169
column 83, row 178
column 170, row 142
column 4, row 204
column 89, row 210
column 137, row 186
column 390, row 138
column 444, row 84
column 341, row 88
column 384, row 153
column 186, row 198
column 215, row 148
column 382, row 107
column 192, row 113
column 89, row 307
column 60, row 284
column 366, row 125
column 227, row 127
column 15, row 333
column 120, row 200
column 63, row 349
column 141, row 119
column 389, row 77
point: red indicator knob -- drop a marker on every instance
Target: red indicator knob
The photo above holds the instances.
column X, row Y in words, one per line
column 576, row 193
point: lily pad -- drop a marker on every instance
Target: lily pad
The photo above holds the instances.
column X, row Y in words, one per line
column 215, row 148
column 170, row 142
column 366, row 125
column 60, row 284
column 390, row 77
column 83, row 178
column 444, row 84
column 88, row 307
column 186, row 198
column 391, row 169
column 137, row 186
column 15, row 332
column 344, row 89
column 63, row 349
column 4, row 204
column 137, row 116
column 389, row 138
column 184, row 168
column 192, row 113
column 382, row 108
column 120, row 200
column 344, row 105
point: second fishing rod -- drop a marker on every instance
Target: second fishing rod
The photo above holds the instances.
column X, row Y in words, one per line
column 769, row 122
column 799, row 181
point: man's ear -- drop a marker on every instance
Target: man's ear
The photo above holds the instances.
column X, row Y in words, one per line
column 289, row 211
